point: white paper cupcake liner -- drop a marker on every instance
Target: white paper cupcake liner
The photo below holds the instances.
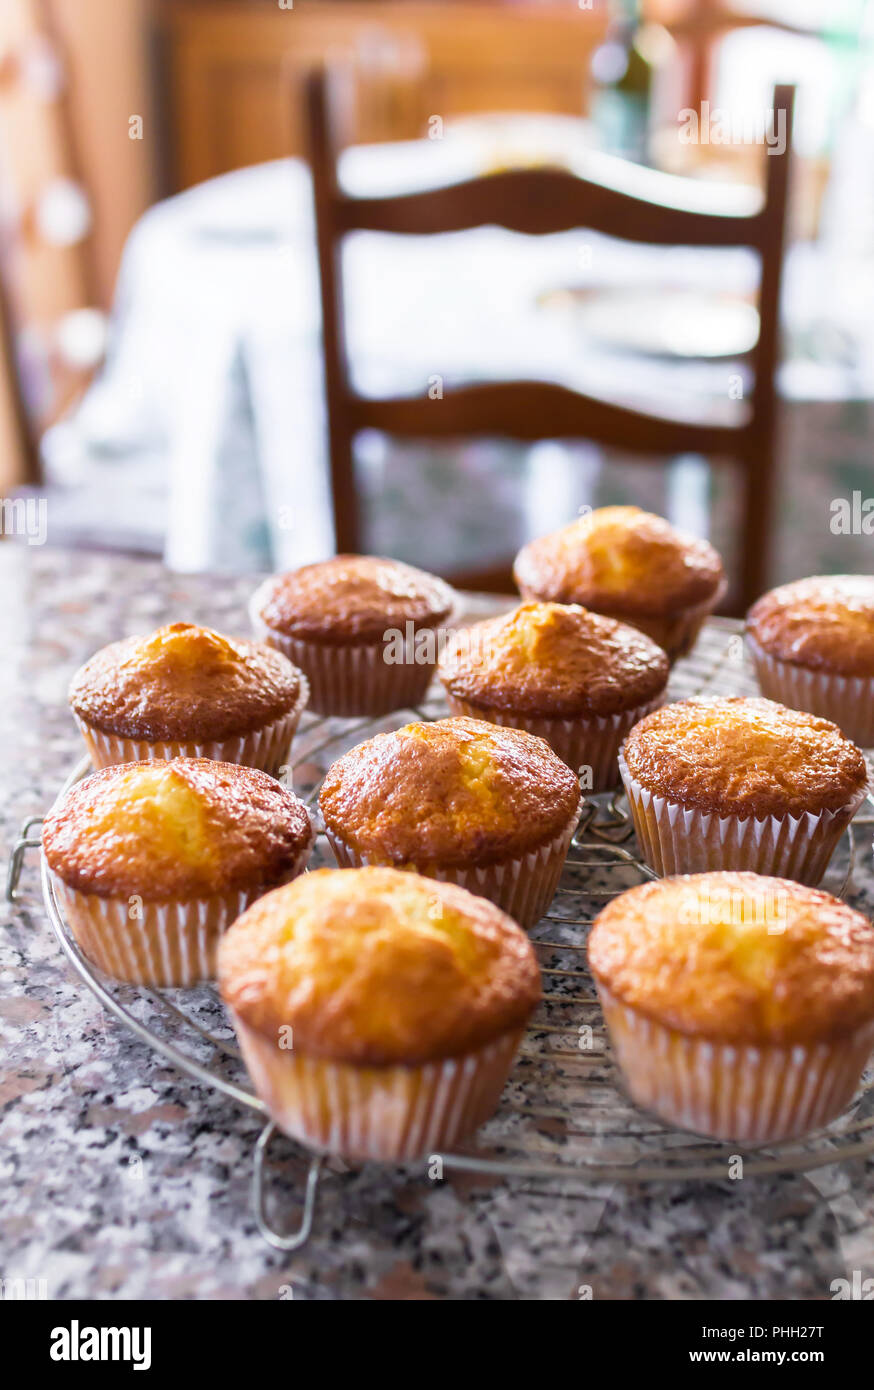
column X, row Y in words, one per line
column 677, row 634
column 675, row 839
column 391, row 1113
column 581, row 743
column 265, row 748
column 522, row 887
column 353, row 682
column 748, row 1093
column 847, row 701
column 154, row 943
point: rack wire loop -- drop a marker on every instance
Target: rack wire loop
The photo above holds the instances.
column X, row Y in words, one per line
column 288, row 1240
column 16, row 860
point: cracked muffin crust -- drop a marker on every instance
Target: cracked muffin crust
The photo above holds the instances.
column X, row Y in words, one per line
column 378, row 967
column 452, row 792
column 152, row 861
column 623, row 561
column 179, row 830
column 628, row 564
column 557, row 660
column 351, row 599
column 184, row 683
column 489, row 808
column 745, row 757
column 824, row 623
column 738, row 957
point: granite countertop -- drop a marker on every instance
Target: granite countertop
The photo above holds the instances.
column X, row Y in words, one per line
column 123, row 1178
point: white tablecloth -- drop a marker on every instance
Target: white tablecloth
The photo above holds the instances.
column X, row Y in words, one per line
column 210, row 407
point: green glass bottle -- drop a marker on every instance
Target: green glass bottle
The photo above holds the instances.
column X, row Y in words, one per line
column 623, row 78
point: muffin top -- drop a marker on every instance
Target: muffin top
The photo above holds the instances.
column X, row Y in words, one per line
column 738, row 958
column 377, row 967
column 744, row 757
column 556, row 660
column 453, row 792
column 182, row 829
column 623, row 561
column 184, row 682
column 351, row 598
column 825, row 623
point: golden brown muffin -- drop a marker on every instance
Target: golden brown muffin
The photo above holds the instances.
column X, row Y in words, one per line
column 336, row 620
column 182, row 829
column 628, row 564
column 155, row 859
column 377, row 967
column 738, row 958
column 352, row 599
column 187, row 691
column 812, row 644
column 742, row 756
column 492, row 809
column 738, row 1005
column 554, row 659
column 378, row 1011
column 824, row 623
column 453, row 794
column 760, row 787
column 577, row 679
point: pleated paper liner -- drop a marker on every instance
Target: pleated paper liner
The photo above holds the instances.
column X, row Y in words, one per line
column 754, row 1094
column 158, row 943
column 393, row 1113
column 265, row 748
column 523, row 887
column 685, row 840
column 847, row 701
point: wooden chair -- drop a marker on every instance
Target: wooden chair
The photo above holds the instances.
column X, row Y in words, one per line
column 536, row 202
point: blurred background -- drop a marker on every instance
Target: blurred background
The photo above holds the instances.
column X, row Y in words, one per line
column 161, row 352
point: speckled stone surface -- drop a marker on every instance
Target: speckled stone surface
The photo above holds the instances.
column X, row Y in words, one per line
column 121, row 1177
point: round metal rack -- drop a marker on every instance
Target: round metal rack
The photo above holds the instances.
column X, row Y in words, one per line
column 563, row 1115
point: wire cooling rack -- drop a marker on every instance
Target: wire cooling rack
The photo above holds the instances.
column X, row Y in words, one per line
column 563, row 1114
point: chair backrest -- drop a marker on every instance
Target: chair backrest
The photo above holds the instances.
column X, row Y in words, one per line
column 630, row 203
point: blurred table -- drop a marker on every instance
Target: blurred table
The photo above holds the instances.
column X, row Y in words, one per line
column 205, row 432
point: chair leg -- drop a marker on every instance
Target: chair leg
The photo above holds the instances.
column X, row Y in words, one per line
column 757, row 524
column 344, row 499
